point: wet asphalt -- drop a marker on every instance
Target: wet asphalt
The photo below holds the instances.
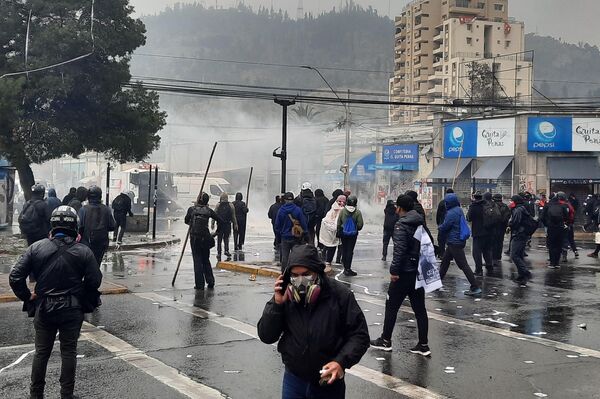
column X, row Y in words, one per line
column 506, row 344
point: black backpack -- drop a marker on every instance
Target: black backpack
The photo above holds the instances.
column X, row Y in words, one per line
column 96, row 224
column 119, row 204
column 530, row 225
column 491, row 214
column 29, row 220
column 309, row 208
column 555, row 214
column 199, row 223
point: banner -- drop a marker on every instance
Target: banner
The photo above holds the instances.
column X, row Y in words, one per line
column 586, row 134
column 496, row 138
column 397, row 154
column 553, row 134
column 460, row 139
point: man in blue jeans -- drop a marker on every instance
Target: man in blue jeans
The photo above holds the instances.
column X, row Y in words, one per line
column 320, row 328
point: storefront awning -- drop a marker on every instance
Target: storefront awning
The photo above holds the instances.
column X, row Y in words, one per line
column 447, row 169
column 493, row 168
column 573, row 168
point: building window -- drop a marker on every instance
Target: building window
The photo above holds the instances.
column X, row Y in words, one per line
column 462, row 3
column 481, row 5
column 507, row 43
column 499, row 7
column 469, row 40
column 469, row 27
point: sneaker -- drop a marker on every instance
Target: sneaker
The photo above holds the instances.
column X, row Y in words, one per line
column 593, row 255
column 576, row 255
column 479, row 273
column 382, row 344
column 383, row 258
column 421, row 349
column 350, row 273
column 473, row 292
column 211, row 286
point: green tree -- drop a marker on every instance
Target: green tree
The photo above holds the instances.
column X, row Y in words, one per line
column 79, row 106
column 306, row 112
column 484, row 86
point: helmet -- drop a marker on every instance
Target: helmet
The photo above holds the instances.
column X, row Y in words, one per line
column 64, row 218
column 94, row 193
column 352, row 200
column 38, row 189
column 306, row 186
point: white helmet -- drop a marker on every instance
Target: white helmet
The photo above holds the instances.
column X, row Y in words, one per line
column 306, row 186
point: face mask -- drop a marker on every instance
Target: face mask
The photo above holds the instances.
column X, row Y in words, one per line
column 302, row 283
column 304, row 289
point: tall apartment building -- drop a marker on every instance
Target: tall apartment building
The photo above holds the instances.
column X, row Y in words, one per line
column 437, row 40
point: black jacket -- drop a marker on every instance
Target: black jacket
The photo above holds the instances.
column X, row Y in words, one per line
column 96, row 221
column 121, row 205
column 391, row 217
column 421, row 211
column 43, row 218
column 322, row 203
column 406, row 247
column 440, row 215
column 273, row 211
column 205, row 213
column 517, row 219
column 241, row 211
column 74, row 273
column 505, row 213
column 333, row 329
column 475, row 216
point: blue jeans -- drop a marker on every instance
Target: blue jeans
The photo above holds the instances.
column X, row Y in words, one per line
column 297, row 388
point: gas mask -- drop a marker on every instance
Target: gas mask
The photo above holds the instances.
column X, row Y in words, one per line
column 304, row 289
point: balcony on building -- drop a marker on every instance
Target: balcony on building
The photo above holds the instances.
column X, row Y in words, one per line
column 466, row 7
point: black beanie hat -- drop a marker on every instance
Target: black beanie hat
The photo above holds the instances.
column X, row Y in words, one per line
column 405, row 202
column 517, row 199
column 307, row 256
column 412, row 194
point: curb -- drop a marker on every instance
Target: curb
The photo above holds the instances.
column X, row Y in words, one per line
column 108, row 288
column 149, row 244
column 249, row 269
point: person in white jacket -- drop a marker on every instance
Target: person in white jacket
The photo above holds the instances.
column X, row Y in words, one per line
column 328, row 236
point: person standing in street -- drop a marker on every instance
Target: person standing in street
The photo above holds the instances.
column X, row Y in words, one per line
column 403, row 276
column 391, row 217
column 483, row 223
column 226, row 213
column 290, row 227
column 320, row 328
column 272, row 215
column 555, row 216
column 569, row 241
column 96, row 221
column 34, row 219
column 241, row 215
column 440, row 216
column 121, row 207
column 307, row 202
column 81, row 195
column 51, row 201
column 519, row 237
column 68, row 279
column 201, row 241
column 455, row 243
column 328, row 237
column 417, row 206
column 322, row 203
column 69, row 196
column 499, row 230
column 350, row 223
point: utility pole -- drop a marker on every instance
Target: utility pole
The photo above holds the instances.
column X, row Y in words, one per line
column 283, row 154
column 107, row 182
column 346, row 166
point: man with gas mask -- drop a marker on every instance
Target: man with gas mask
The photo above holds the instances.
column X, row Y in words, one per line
column 306, row 300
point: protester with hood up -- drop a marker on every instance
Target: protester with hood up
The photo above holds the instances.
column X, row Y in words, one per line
column 226, row 212
column 69, row 196
column 34, row 219
column 320, row 328
column 121, row 206
column 322, row 202
column 81, row 195
column 96, row 221
column 328, row 237
column 241, row 214
column 519, row 237
column 481, row 232
column 51, row 201
column 272, row 215
column 391, row 217
column 417, row 205
column 440, row 215
column 555, row 217
column 290, row 227
column 403, row 276
column 350, row 222
column 455, row 244
column 334, row 197
column 500, row 229
column 308, row 203
column 569, row 239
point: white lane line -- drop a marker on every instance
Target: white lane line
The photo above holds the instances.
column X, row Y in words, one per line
column 375, row 377
column 151, row 366
column 19, row 360
column 16, row 347
column 492, row 330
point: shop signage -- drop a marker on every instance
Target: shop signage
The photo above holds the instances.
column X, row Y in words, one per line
column 483, row 138
column 397, row 154
column 575, row 181
column 563, row 134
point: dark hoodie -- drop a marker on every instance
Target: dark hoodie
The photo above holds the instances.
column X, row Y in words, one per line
column 406, row 247
column 451, row 226
column 391, row 217
column 240, row 209
column 334, row 196
column 322, row 203
column 418, row 207
column 475, row 216
column 331, row 329
column 69, row 196
column 52, row 201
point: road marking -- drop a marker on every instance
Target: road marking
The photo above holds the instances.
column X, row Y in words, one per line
column 492, row 330
column 151, row 366
column 19, row 360
column 375, row 377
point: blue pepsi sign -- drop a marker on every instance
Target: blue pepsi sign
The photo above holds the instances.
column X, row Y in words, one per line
column 553, row 134
column 396, row 154
column 460, row 139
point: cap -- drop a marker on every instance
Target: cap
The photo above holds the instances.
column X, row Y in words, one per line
column 289, row 196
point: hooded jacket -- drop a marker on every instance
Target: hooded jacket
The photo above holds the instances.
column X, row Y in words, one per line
column 475, row 216
column 226, row 212
column 322, row 203
column 406, row 247
column 241, row 210
column 96, row 220
column 52, row 201
column 333, row 199
column 273, row 211
column 350, row 211
column 517, row 220
column 283, row 224
column 41, row 223
column 332, row 329
column 328, row 236
column 391, row 217
column 451, row 226
column 69, row 196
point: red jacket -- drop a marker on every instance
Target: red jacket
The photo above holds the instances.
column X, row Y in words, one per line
column 571, row 219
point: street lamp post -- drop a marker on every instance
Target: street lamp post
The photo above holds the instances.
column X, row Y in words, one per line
column 283, row 154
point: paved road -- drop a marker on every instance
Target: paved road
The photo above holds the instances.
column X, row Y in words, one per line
column 159, row 342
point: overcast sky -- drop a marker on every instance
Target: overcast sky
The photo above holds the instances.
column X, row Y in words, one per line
column 572, row 20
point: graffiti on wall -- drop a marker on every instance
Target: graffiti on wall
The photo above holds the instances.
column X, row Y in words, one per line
column 525, row 184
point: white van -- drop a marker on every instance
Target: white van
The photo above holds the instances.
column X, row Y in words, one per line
column 189, row 184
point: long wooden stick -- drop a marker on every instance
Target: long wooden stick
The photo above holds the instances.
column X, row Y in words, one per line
column 248, row 189
column 187, row 236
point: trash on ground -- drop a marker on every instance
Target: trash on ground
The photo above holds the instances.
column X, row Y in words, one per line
column 554, row 322
column 540, row 395
column 188, row 356
column 539, row 333
column 80, row 356
column 381, row 359
column 583, row 326
column 232, row 371
column 529, row 362
column 572, row 356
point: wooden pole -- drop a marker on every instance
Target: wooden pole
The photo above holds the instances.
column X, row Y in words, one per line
column 187, row 236
column 248, row 189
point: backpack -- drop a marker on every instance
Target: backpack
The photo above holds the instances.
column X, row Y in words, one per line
column 556, row 214
column 349, row 229
column 465, row 231
column 95, row 224
column 530, row 225
column 119, row 204
column 297, row 230
column 491, row 215
column 309, row 208
column 199, row 227
column 29, row 220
